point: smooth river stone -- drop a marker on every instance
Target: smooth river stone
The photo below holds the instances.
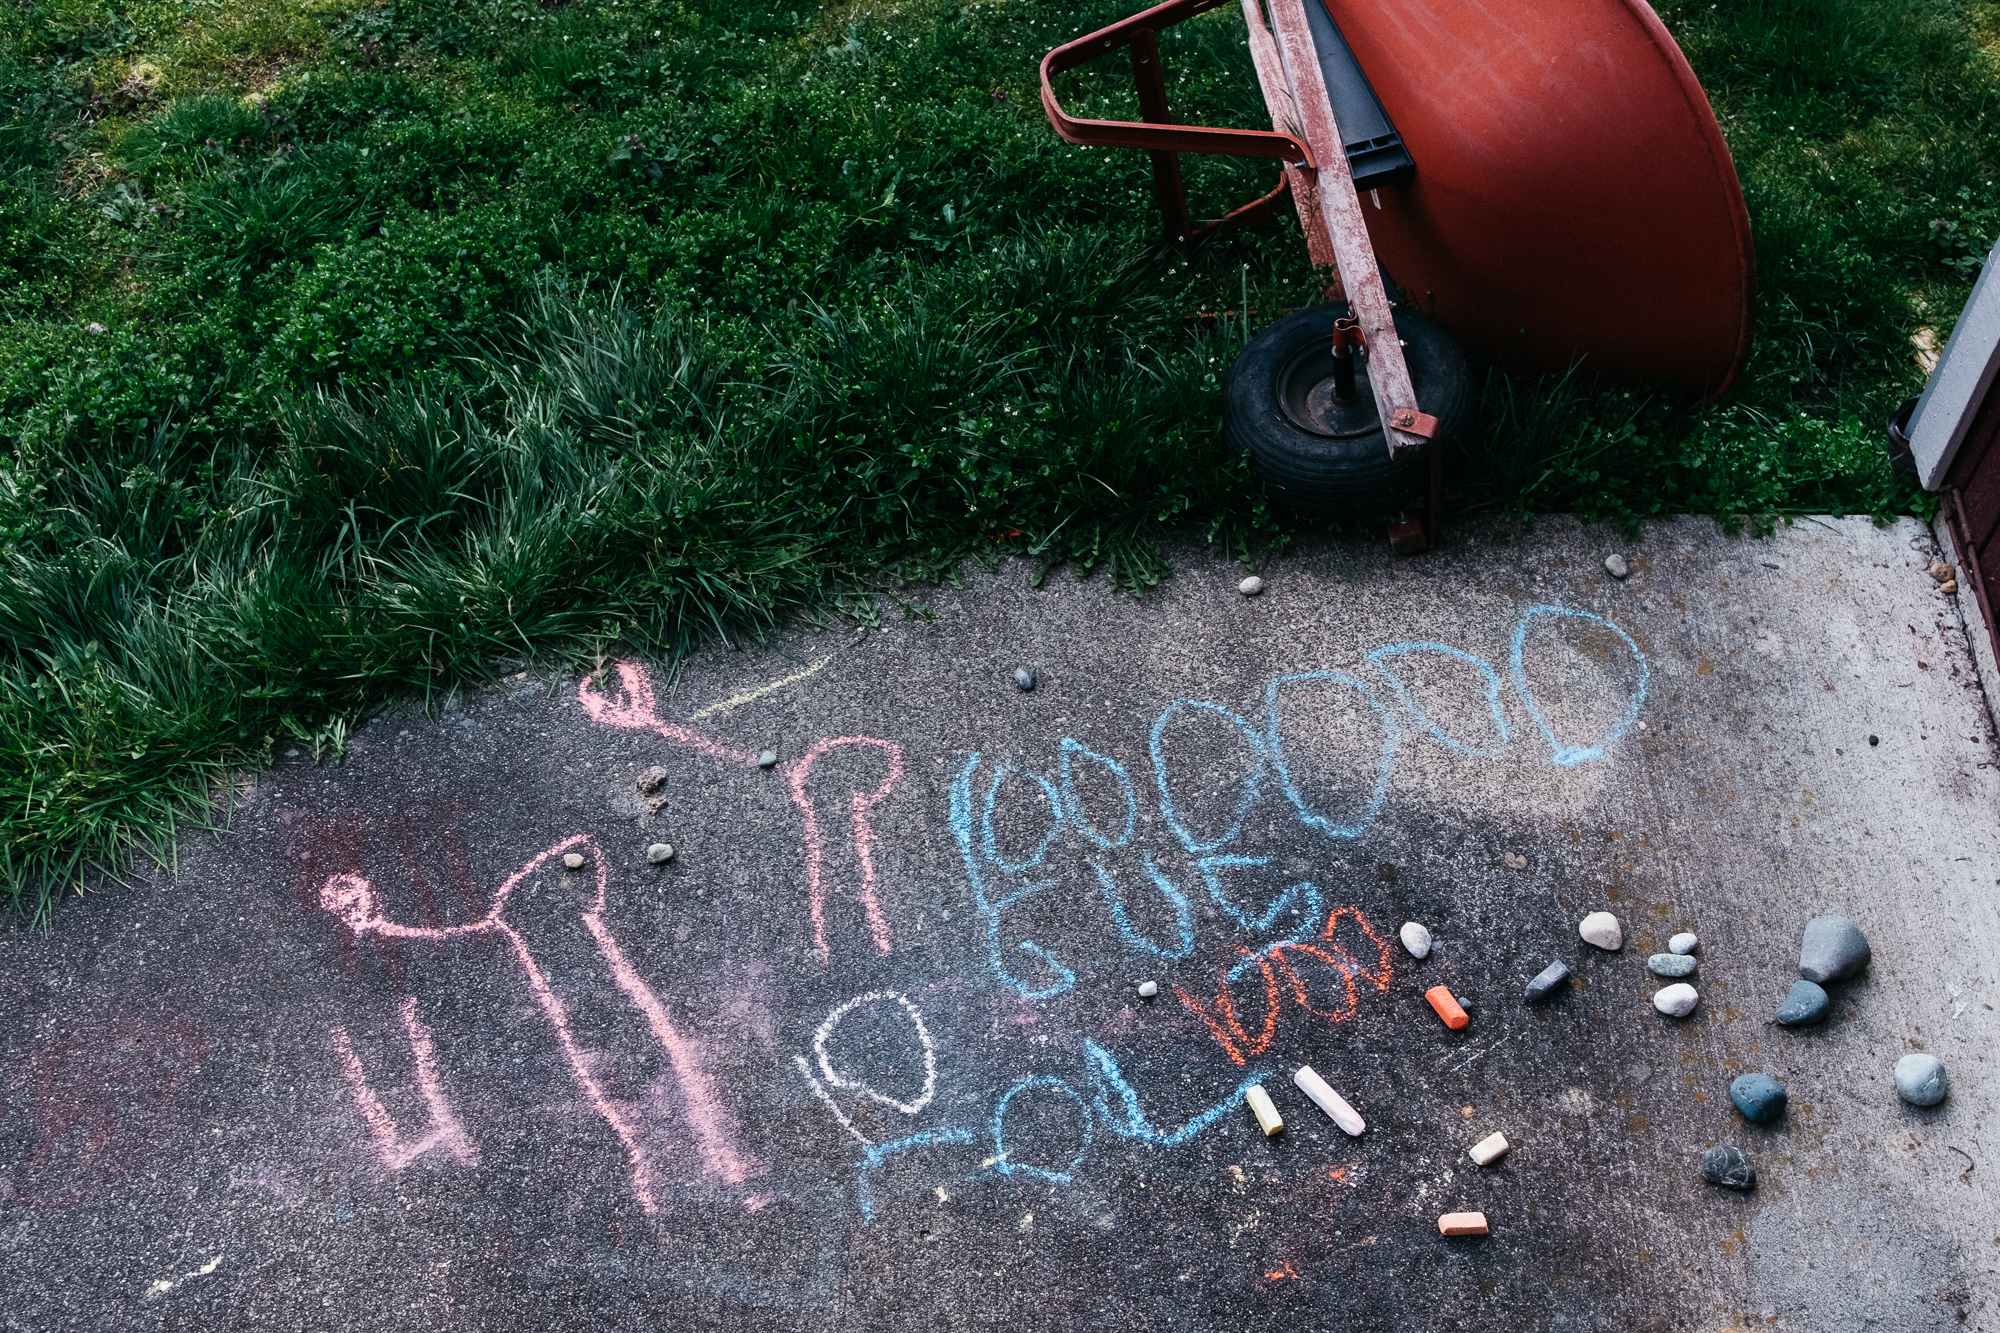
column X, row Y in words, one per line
column 1833, row 949
column 1921, row 1079
column 1759, row 1097
column 1672, row 965
column 1685, row 942
column 1416, row 938
column 1806, row 1003
column 1677, row 1000
column 1603, row 930
column 1547, row 982
column 1728, row 1167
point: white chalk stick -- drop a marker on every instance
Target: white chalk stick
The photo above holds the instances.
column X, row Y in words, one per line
column 1329, row 1101
column 1490, row 1149
column 1267, row 1115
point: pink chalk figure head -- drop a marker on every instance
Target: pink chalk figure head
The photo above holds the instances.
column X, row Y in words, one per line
column 355, row 902
column 632, row 706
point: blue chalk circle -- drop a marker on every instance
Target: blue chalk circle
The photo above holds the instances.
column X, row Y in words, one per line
column 1071, row 751
column 1183, row 913
column 990, row 845
column 1391, row 736
column 1302, row 897
column 1003, row 1162
column 1569, row 756
column 1382, row 657
column 1247, row 793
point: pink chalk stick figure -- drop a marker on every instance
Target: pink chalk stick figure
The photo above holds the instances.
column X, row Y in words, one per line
column 355, row 902
column 446, row 1132
column 634, row 708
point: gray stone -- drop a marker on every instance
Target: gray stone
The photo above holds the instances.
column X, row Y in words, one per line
column 1148, row 989
column 1759, row 1097
column 1024, row 679
column 649, row 781
column 1677, row 1000
column 1602, row 929
column 1806, row 1003
column 1615, row 566
column 768, row 759
column 659, row 853
column 1547, row 982
column 1728, row 1167
column 573, row 860
column 1685, row 942
column 1833, row 949
column 1416, row 938
column 1672, row 965
column 1251, row 586
column 1921, row 1079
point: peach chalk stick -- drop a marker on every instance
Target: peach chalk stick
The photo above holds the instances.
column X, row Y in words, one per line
column 1447, row 1008
column 1462, row 1224
column 1262, row 1107
column 1329, row 1101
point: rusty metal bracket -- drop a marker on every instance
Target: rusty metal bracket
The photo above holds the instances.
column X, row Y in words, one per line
column 1157, row 134
column 1415, row 422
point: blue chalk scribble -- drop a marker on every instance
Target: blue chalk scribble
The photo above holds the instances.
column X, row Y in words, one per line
column 991, row 845
column 1130, row 1121
column 1380, row 657
column 1569, row 756
column 1072, row 748
column 875, row 1154
column 1391, row 737
column 1183, row 912
column 1245, row 799
column 961, row 829
column 1003, row 1162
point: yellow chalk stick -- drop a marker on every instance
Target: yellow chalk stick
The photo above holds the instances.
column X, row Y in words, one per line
column 1267, row 1115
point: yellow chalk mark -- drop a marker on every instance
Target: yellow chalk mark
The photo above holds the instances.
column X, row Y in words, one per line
column 749, row 696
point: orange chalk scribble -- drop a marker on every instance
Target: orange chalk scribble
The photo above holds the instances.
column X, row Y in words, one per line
column 1287, row 958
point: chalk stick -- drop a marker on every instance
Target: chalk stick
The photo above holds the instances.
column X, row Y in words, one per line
column 1489, row 1149
column 1462, row 1224
column 1329, row 1101
column 1267, row 1115
column 1447, row 1008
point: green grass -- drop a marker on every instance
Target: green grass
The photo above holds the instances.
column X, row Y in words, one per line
column 354, row 352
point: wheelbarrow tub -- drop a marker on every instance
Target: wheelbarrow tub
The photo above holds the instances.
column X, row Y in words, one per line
column 1573, row 200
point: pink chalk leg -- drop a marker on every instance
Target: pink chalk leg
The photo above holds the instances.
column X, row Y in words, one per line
column 446, row 1132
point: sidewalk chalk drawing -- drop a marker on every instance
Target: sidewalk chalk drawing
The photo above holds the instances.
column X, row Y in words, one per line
column 1082, row 862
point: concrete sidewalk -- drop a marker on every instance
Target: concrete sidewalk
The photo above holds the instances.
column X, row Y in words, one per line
column 869, row 1051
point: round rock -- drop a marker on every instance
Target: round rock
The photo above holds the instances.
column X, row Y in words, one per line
column 1833, row 949
column 1603, row 930
column 1024, row 679
column 1759, row 1097
column 573, row 860
column 1148, row 989
column 1921, row 1079
column 1671, row 965
column 1685, row 942
column 1728, row 1167
column 768, row 759
column 1806, row 1003
column 659, row 853
column 1416, row 938
column 1677, row 1000
column 1615, row 566
column 1251, row 586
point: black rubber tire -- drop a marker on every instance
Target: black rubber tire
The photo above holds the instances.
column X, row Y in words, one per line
column 1348, row 476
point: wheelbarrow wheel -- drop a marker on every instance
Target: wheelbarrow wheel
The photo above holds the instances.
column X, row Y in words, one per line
column 1328, row 458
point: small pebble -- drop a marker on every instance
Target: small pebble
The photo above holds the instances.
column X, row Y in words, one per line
column 1948, row 586
column 1448, row 1008
column 1874, row 740
column 1462, row 1224
column 1024, row 679
column 1672, row 965
column 1615, row 566
column 1685, row 942
column 659, row 853
column 1677, row 1000
column 1941, row 572
column 1603, row 930
column 573, row 860
column 768, row 759
column 649, row 781
column 1264, row 1109
column 1513, row 861
column 1148, row 989
column 1466, row 1113
column 1547, row 982
column 1416, row 938
column 1805, row 1004
column 1921, row 1079
column 1728, row 1167
column 1489, row 1149
column 1833, row 948
column 1759, row 1097
column 1251, row 586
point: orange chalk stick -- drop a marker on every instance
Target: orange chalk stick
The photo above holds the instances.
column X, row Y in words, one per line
column 1447, row 1008
column 1462, row 1224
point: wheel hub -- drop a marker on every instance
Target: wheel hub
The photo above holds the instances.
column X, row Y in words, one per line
column 1305, row 396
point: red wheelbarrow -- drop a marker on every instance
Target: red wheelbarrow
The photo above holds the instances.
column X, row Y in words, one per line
column 1543, row 178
